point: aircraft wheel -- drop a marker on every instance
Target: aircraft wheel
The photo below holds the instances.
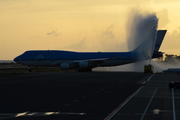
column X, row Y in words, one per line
column 30, row 69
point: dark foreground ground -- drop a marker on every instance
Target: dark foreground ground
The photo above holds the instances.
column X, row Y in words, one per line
column 88, row 96
column 69, row 95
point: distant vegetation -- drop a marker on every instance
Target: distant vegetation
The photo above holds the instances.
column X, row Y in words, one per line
column 7, row 62
column 169, row 57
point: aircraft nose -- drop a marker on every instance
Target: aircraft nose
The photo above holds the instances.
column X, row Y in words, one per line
column 16, row 59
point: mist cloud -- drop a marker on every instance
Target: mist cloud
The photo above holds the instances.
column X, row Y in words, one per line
column 141, row 27
column 141, row 31
column 163, row 18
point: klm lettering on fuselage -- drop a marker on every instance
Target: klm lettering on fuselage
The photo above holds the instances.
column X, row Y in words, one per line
column 40, row 56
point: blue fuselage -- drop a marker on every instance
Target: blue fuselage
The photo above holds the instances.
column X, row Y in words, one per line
column 54, row 57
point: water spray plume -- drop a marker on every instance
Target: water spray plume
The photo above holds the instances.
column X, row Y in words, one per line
column 141, row 30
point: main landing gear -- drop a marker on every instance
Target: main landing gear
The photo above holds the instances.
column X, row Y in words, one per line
column 29, row 68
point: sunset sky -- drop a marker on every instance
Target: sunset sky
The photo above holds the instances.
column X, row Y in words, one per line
column 79, row 25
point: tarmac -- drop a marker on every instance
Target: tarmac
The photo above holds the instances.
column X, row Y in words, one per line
column 89, row 96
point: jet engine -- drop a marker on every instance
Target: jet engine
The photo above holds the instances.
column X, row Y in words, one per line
column 65, row 66
column 83, row 65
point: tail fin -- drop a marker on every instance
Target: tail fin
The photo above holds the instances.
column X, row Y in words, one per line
column 159, row 39
column 144, row 50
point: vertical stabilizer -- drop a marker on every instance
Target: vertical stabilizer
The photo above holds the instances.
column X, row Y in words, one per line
column 159, row 39
column 144, row 51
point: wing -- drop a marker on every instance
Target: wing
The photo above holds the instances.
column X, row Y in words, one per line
column 87, row 63
column 91, row 60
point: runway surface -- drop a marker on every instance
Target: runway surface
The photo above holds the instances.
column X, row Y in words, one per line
column 88, row 96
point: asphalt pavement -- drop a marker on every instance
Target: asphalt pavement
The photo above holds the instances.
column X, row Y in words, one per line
column 88, row 96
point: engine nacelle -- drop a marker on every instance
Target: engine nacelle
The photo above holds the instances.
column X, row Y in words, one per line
column 83, row 65
column 65, row 66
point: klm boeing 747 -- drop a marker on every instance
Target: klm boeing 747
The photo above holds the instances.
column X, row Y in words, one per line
column 86, row 61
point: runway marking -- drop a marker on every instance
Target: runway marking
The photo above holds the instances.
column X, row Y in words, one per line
column 174, row 113
column 143, row 81
column 156, row 111
column 149, row 104
column 122, row 105
column 29, row 114
column 150, row 77
column 21, row 114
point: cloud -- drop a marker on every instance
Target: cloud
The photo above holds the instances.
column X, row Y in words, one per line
column 163, row 18
column 172, row 41
column 51, row 33
column 111, row 41
column 105, row 41
column 109, row 33
column 54, row 33
column 81, row 45
column 164, row 1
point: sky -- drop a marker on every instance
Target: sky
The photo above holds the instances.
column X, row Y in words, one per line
column 80, row 25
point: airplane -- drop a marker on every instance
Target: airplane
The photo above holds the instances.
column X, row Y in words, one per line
column 86, row 61
column 172, row 70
